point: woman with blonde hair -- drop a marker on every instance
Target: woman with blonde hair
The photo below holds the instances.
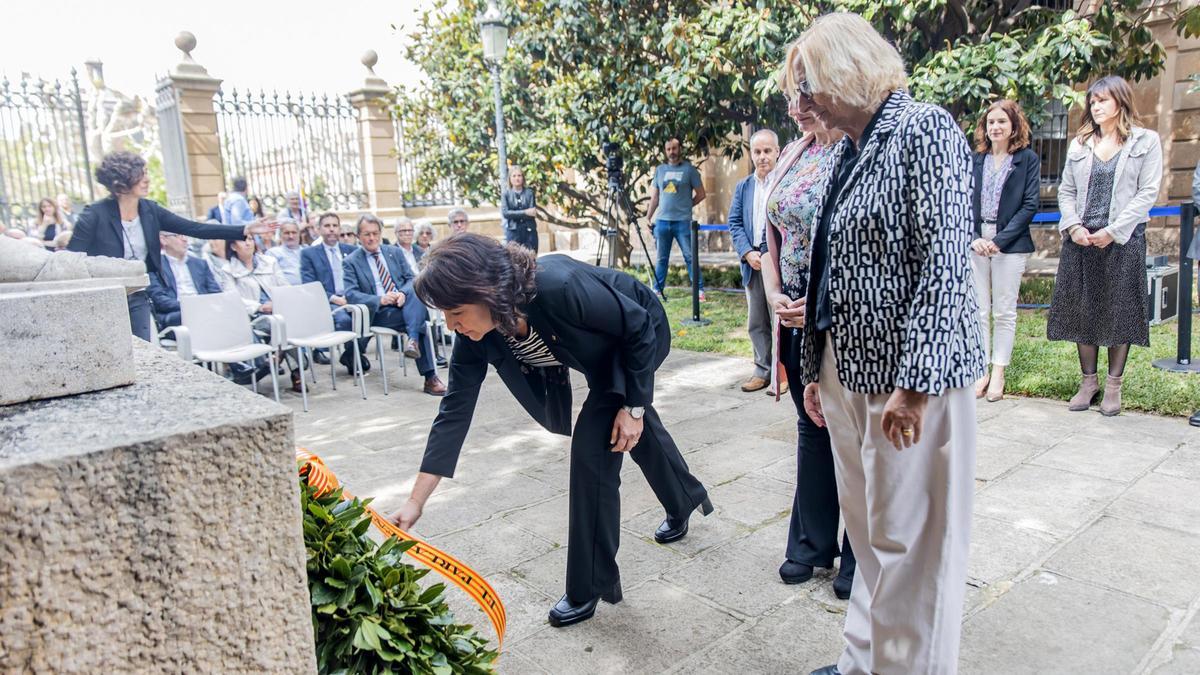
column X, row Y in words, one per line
column 891, row 345
column 1005, row 199
column 1111, row 179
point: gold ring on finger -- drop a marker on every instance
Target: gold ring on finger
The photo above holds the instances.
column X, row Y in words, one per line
column 907, row 431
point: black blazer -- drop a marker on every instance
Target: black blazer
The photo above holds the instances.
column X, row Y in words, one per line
column 99, row 231
column 601, row 322
column 1018, row 201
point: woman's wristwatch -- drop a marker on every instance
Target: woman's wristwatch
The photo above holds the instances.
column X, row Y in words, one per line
column 635, row 411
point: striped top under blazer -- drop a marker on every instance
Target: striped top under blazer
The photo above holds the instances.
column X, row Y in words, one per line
column 900, row 281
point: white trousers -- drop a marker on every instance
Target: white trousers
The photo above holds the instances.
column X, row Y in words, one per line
column 908, row 516
column 998, row 281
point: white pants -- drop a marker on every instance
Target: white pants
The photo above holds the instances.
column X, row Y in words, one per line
column 998, row 280
column 908, row 516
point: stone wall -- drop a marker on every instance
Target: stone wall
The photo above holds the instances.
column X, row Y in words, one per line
column 152, row 528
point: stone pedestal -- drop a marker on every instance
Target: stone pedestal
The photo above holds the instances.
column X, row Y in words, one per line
column 152, row 528
column 64, row 341
column 377, row 138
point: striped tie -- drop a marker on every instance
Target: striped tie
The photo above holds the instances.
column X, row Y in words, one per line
column 385, row 279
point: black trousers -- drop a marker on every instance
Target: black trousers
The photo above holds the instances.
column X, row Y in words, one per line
column 523, row 235
column 812, row 534
column 595, row 499
column 140, row 321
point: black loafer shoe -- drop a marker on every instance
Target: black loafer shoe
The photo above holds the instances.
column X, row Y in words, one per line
column 842, row 585
column 827, row 670
column 321, row 357
column 673, row 530
column 565, row 613
column 793, row 572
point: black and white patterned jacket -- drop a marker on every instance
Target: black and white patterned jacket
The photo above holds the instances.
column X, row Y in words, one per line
column 900, row 283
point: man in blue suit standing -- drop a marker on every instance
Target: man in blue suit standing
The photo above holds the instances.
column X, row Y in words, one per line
column 178, row 275
column 323, row 262
column 749, row 236
column 378, row 276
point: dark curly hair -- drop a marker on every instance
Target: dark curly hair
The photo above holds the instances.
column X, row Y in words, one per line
column 471, row 269
column 120, row 171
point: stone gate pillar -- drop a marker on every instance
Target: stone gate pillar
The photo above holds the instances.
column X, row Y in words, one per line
column 377, row 139
column 188, row 127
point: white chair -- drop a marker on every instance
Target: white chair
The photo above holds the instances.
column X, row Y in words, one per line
column 437, row 320
column 215, row 329
column 380, row 333
column 307, row 324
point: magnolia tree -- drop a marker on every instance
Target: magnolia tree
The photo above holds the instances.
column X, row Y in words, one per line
column 579, row 72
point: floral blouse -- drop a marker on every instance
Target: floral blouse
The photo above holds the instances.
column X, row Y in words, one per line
column 993, row 184
column 791, row 207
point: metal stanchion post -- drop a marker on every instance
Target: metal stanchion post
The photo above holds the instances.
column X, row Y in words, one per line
column 695, row 274
column 1182, row 363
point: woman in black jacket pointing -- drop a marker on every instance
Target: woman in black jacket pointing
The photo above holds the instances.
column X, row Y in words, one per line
column 126, row 225
column 533, row 320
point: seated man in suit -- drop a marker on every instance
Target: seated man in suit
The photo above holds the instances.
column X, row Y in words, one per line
column 323, row 262
column 179, row 274
column 377, row 276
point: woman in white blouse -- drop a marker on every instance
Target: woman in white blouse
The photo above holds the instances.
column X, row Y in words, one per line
column 252, row 274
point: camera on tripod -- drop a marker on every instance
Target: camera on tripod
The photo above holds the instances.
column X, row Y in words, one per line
column 614, row 164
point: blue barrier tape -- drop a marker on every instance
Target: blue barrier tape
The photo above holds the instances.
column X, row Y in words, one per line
column 1044, row 217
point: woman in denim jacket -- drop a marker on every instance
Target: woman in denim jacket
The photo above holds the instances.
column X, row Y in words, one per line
column 1110, row 181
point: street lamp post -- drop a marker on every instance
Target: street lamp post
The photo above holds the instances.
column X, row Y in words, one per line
column 495, row 43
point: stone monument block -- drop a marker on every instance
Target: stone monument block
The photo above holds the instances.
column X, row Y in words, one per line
column 152, row 528
column 66, row 341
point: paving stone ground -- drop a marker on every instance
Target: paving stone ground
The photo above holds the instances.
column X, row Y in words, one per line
column 1085, row 553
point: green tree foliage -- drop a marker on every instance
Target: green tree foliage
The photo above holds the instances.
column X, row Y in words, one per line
column 638, row 71
column 369, row 613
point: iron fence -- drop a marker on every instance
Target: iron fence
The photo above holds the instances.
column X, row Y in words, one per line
column 43, row 147
column 415, row 188
column 1050, row 140
column 287, row 142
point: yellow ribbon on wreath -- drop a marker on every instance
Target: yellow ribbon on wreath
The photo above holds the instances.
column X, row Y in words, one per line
column 321, row 478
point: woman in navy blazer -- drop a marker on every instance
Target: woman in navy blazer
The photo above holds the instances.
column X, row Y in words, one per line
column 126, row 225
column 533, row 319
column 1005, row 199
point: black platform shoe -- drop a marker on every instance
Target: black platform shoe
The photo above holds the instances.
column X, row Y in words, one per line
column 793, row 572
column 842, row 585
column 564, row 613
column 673, row 530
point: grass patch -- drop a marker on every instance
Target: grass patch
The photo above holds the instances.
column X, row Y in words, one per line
column 1051, row 369
column 1040, row 368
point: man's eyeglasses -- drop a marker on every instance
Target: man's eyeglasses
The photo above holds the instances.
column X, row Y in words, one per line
column 404, row 231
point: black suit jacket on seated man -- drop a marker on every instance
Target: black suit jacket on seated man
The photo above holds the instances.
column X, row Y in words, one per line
column 164, row 288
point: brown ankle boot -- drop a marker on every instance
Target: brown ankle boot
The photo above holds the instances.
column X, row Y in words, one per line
column 1088, row 388
column 1111, row 405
